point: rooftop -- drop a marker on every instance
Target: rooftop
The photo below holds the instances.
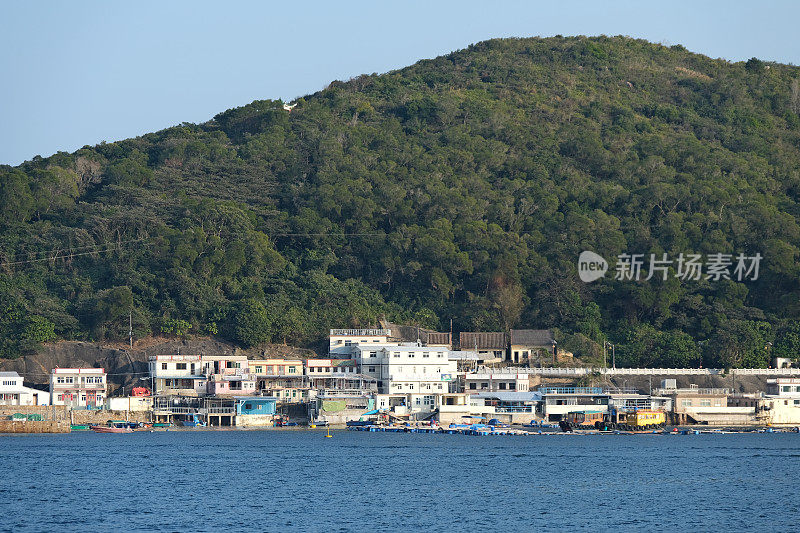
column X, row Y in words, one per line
column 479, row 340
column 532, row 337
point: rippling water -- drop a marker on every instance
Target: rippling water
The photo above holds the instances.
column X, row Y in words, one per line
column 298, row 480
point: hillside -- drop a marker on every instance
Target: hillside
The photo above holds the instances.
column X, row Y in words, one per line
column 462, row 187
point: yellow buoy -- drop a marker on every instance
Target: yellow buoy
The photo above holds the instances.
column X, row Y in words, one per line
column 328, row 436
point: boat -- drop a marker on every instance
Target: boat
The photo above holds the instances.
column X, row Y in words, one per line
column 110, row 429
column 113, row 426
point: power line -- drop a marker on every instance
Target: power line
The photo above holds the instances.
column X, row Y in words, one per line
column 122, row 244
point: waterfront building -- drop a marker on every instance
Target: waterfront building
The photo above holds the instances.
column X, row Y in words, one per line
column 491, row 345
column 531, row 345
column 341, row 342
column 78, row 387
column 411, row 375
column 177, row 374
column 341, row 406
column 12, row 391
column 559, row 401
column 283, row 379
column 497, row 380
column 253, row 411
column 338, row 375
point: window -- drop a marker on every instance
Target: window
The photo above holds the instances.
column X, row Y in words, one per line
column 248, row 406
column 373, row 354
column 163, row 366
column 439, row 386
column 348, row 343
column 396, row 354
column 502, row 386
column 473, row 386
column 180, row 366
column 292, row 370
column 705, row 402
column 68, row 379
column 439, row 354
column 484, row 385
column 686, row 403
column 426, row 354
column 512, row 386
column 339, row 341
column 259, row 369
column 411, row 354
column 786, row 388
column 371, row 369
column 717, row 403
column 60, row 379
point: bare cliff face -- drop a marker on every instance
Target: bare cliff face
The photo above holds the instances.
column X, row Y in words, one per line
column 126, row 368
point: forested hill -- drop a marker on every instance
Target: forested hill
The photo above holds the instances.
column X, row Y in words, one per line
column 462, row 187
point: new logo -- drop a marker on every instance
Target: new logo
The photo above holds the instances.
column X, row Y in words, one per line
column 591, row 266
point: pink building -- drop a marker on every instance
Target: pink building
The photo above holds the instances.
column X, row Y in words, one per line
column 78, row 387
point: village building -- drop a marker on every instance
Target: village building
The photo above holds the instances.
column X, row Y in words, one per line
column 177, row 374
column 255, row 411
column 529, row 346
column 493, row 346
column 341, row 342
column 78, row 387
column 12, row 391
column 559, row 401
column 283, row 379
column 408, row 376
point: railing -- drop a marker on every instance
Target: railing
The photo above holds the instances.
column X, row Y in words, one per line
column 513, row 409
column 582, row 371
column 360, row 332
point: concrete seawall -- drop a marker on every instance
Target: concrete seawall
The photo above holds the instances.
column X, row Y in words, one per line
column 33, row 426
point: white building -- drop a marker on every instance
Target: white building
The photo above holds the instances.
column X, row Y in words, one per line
column 12, row 392
column 189, row 375
column 342, row 342
column 411, row 375
column 177, row 374
column 78, row 387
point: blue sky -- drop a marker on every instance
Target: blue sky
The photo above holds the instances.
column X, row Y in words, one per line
column 77, row 73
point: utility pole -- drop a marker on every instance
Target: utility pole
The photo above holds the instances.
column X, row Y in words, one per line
column 614, row 355
column 130, row 328
column 605, row 344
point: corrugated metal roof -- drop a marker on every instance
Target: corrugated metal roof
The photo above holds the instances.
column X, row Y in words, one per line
column 9, row 375
column 492, row 340
column 414, row 333
column 532, row 337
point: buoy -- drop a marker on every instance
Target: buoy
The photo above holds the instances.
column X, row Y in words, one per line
column 328, row 436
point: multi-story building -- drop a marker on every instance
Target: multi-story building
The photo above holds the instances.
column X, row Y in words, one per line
column 280, row 378
column 193, row 375
column 178, row 374
column 338, row 376
column 12, row 391
column 78, row 387
column 412, row 375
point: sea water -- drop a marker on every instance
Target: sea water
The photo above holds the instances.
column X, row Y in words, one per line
column 355, row 481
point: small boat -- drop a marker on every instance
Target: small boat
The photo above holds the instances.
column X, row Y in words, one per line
column 113, row 426
column 106, row 429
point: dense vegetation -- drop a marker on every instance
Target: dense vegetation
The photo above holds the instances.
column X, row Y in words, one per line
column 462, row 187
